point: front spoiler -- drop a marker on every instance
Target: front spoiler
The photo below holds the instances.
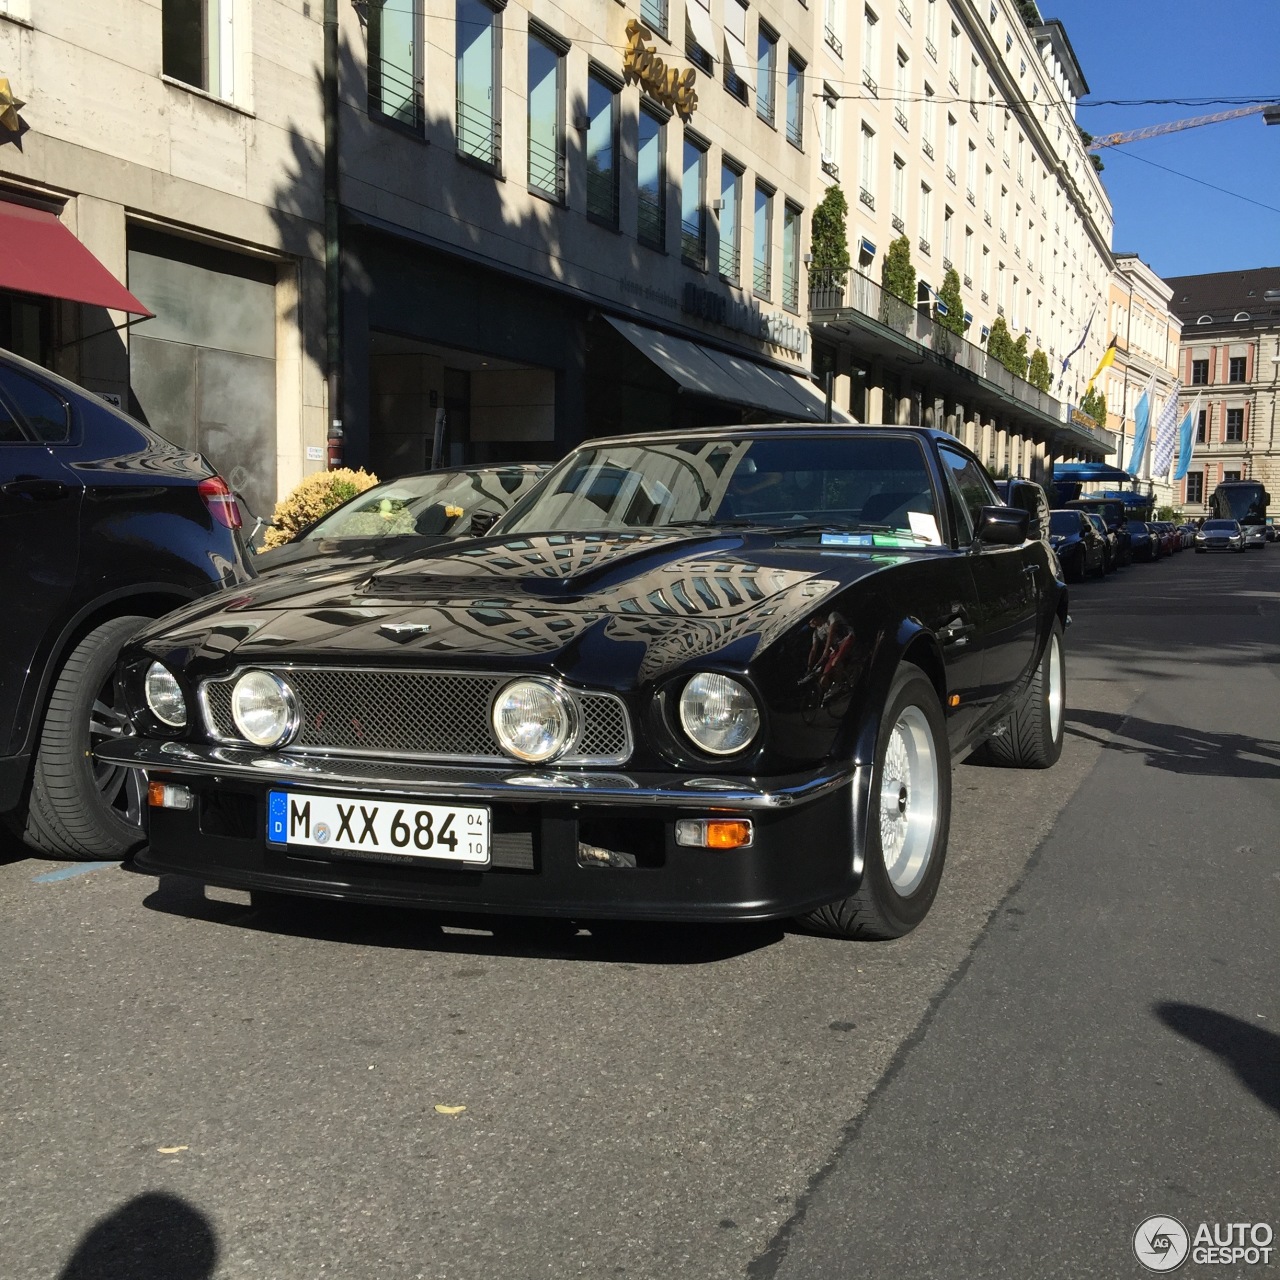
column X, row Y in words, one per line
column 501, row 784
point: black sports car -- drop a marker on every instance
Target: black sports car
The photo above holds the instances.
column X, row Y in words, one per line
column 690, row 676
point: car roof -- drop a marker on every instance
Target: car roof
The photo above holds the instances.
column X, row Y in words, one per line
column 765, row 430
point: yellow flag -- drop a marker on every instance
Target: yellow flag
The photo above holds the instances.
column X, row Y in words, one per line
column 1108, row 358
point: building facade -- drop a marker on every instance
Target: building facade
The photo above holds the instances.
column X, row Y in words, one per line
column 550, row 221
column 1229, row 362
column 1146, row 334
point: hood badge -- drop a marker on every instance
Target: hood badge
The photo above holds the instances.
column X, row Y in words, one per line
column 403, row 631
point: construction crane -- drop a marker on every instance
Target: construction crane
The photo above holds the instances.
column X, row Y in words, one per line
column 1174, row 126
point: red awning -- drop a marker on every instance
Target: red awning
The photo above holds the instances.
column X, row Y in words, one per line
column 39, row 255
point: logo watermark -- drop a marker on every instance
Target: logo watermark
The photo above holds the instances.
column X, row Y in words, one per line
column 1162, row 1243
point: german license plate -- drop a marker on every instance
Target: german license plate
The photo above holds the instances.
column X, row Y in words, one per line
column 378, row 827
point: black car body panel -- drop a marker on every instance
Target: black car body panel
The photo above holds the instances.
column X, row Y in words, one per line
column 814, row 623
column 1115, row 517
column 99, row 517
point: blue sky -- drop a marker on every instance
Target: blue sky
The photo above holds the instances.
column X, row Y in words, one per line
column 1184, row 49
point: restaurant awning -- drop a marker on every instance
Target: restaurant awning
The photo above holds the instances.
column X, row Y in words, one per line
column 704, row 371
column 39, row 255
column 1088, row 471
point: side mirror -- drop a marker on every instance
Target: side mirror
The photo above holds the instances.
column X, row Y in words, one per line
column 482, row 522
column 1002, row 526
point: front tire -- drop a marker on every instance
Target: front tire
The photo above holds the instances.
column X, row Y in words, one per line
column 1036, row 727
column 79, row 807
column 908, row 822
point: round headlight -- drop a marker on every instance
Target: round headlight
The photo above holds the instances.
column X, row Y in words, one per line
column 718, row 713
column 164, row 696
column 264, row 708
column 534, row 720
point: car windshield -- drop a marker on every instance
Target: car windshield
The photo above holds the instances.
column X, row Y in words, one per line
column 871, row 481
column 1220, row 526
column 1138, row 526
column 438, row 503
column 1064, row 522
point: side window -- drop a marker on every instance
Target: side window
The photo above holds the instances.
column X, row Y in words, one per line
column 10, row 432
column 971, row 488
column 45, row 413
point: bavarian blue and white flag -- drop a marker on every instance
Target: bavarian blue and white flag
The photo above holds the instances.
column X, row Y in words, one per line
column 1141, row 427
column 1166, row 434
column 1186, row 443
column 1066, row 360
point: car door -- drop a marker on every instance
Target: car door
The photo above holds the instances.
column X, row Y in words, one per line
column 40, row 503
column 1004, row 578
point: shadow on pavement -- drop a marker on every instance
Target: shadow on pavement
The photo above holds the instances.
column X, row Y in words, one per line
column 1176, row 748
column 610, row 942
column 154, row 1236
column 1252, row 1052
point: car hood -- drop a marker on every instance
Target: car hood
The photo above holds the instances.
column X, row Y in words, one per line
column 575, row 604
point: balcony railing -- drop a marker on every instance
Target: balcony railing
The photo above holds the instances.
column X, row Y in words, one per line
column 546, row 168
column 927, row 147
column 833, row 42
column 951, row 175
column 867, row 198
column 479, row 135
column 862, row 295
column 654, row 15
column 761, row 279
column 904, row 12
column 900, row 116
column 870, row 85
column 971, row 198
column 930, row 48
column 898, row 224
column 924, row 245
column 831, row 169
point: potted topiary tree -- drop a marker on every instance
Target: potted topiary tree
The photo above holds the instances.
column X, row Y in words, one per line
column 830, row 244
column 1038, row 374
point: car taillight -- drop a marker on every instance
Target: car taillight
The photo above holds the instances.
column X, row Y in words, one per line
column 221, row 502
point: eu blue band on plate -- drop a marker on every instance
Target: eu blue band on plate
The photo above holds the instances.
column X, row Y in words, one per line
column 277, row 816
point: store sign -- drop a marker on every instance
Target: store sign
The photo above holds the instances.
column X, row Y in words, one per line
column 1081, row 419
column 667, row 85
column 776, row 327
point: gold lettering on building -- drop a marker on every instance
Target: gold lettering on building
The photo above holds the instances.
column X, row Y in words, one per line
column 667, row 85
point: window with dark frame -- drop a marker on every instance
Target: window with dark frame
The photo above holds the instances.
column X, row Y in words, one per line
column 766, row 72
column 795, row 101
column 1234, row 430
column 693, row 203
column 395, row 62
column 735, row 40
column 602, row 149
column 730, row 222
column 546, row 114
column 653, row 13
column 1202, row 426
column 1236, row 369
column 791, row 227
column 651, row 180
column 762, row 275
column 1195, row 486
column 1229, row 476
column 478, row 62
column 1200, row 373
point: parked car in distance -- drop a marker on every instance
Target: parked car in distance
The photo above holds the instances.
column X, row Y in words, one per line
column 105, row 526
column 1115, row 518
column 1030, row 497
column 1110, row 550
column 1187, row 532
column 1255, row 535
column 1220, row 535
column 1145, row 544
column 693, row 675
column 1080, row 547
column 407, row 515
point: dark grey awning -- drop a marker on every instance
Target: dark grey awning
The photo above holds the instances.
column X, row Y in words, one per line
column 704, row 371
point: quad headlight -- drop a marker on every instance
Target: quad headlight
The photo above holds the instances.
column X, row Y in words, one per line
column 719, row 714
column 264, row 709
column 164, row 696
column 534, row 720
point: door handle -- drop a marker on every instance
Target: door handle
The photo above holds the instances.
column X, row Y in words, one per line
column 32, row 487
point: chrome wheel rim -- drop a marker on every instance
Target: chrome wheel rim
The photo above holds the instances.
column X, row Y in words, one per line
column 1056, row 690
column 119, row 789
column 909, row 801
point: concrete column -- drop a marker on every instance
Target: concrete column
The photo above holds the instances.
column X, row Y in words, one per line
column 875, row 400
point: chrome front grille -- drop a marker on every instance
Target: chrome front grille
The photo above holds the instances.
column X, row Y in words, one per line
column 421, row 715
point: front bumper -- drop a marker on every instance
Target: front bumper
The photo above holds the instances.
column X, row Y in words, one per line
column 805, row 850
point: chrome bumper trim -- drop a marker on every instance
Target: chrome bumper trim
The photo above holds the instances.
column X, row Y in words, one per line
column 511, row 785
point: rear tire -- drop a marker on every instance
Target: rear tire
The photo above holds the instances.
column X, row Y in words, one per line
column 908, row 822
column 78, row 807
column 1036, row 727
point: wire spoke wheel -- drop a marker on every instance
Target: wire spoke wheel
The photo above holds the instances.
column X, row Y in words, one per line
column 909, row 801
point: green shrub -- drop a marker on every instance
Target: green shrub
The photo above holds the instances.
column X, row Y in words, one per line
column 830, row 244
column 312, row 498
column 898, row 276
column 1039, row 375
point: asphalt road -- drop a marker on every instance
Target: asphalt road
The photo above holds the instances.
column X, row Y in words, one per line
column 1083, row 1032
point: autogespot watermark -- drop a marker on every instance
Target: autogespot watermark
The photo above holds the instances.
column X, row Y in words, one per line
column 1162, row 1243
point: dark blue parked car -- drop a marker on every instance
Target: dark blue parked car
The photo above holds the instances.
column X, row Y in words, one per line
column 1080, row 547
column 1145, row 546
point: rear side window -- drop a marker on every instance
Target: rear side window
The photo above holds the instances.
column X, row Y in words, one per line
column 10, row 432
column 45, row 412
column 974, row 489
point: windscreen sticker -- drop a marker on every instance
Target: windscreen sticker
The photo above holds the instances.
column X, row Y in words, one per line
column 847, row 540
column 925, row 527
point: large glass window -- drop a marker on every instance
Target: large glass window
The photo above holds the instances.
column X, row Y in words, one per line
column 763, row 242
column 766, row 72
column 651, row 180
column 546, row 125
column 1195, row 486
column 791, row 226
column 730, row 221
column 693, row 205
column 735, row 43
column 197, row 43
column 795, row 101
column 602, row 149
column 395, row 61
column 477, row 53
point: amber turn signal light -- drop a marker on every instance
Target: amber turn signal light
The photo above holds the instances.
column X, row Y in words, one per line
column 714, row 833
